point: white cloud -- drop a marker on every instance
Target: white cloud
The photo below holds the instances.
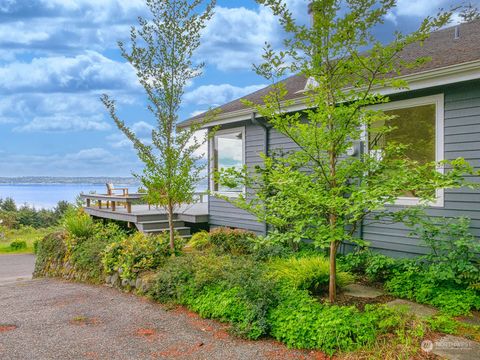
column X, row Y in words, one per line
column 87, row 71
column 417, row 9
column 235, row 37
column 63, row 123
column 212, row 95
column 141, row 128
column 54, row 112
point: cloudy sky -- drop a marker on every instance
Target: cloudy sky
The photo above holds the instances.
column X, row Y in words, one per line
column 58, row 56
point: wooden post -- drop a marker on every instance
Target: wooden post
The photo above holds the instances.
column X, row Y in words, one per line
column 108, row 204
column 99, row 204
column 129, row 207
column 113, row 205
column 88, row 202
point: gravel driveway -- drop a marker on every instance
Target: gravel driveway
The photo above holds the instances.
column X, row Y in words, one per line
column 53, row 319
column 15, row 268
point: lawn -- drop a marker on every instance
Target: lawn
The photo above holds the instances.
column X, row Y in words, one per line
column 27, row 234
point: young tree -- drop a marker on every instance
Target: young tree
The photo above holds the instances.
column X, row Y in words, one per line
column 319, row 192
column 161, row 51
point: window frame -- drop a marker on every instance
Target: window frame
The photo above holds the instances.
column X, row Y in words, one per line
column 230, row 194
column 438, row 101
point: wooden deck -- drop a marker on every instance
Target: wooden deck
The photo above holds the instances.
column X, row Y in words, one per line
column 150, row 219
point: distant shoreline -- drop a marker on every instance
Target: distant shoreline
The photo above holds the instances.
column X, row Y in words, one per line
column 53, row 180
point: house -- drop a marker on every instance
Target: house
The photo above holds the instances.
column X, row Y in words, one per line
column 444, row 95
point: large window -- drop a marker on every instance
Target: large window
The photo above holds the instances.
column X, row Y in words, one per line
column 228, row 152
column 418, row 123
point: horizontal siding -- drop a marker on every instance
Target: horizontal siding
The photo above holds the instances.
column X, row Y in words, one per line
column 221, row 212
column 462, row 139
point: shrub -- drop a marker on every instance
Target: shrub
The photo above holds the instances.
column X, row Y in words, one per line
column 79, row 224
column 199, row 241
column 87, row 255
column 51, row 249
column 232, row 241
column 231, row 289
column 375, row 266
column 454, row 249
column 307, row 273
column 18, row 245
column 136, row 253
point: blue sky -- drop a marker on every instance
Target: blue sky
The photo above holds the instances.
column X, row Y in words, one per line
column 58, row 56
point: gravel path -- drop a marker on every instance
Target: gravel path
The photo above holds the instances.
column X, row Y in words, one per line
column 52, row 319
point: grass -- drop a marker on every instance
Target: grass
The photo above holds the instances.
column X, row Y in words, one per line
column 27, row 234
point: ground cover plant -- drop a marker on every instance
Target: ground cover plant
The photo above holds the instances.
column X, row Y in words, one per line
column 448, row 277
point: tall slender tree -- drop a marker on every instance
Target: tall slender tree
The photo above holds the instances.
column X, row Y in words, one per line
column 319, row 192
column 161, row 51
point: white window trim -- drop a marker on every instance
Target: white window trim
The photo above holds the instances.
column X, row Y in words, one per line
column 230, row 194
column 438, row 100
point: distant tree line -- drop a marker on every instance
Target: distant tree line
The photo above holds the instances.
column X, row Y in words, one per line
column 13, row 216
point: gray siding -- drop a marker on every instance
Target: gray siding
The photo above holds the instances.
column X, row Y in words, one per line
column 221, row 212
column 462, row 139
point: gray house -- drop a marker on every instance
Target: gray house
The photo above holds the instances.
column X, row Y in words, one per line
column 442, row 108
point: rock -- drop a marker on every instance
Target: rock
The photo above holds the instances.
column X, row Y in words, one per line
column 453, row 348
column 108, row 279
column 138, row 283
column 132, row 283
column 419, row 310
column 363, row 291
column 114, row 280
column 125, row 282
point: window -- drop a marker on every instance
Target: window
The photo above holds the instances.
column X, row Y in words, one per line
column 418, row 124
column 228, row 149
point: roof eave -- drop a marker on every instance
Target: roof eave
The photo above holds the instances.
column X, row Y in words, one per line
column 421, row 80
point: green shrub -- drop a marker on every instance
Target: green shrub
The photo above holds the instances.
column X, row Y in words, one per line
column 18, row 245
column 78, row 224
column 375, row 266
column 453, row 257
column 231, row 289
column 232, row 241
column 199, row 241
column 136, row 253
column 307, row 273
column 87, row 255
column 50, row 249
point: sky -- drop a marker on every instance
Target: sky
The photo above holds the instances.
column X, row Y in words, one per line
column 58, row 56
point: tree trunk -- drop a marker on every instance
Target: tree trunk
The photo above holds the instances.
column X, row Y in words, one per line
column 171, row 227
column 332, row 286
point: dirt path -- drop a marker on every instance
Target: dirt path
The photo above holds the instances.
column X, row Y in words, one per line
column 52, row 319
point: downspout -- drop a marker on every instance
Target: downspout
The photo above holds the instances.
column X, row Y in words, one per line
column 266, row 130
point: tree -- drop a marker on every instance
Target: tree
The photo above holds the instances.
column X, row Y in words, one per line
column 161, row 51
column 469, row 13
column 318, row 192
column 8, row 205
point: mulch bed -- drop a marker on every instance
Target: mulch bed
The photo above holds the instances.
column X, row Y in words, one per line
column 358, row 302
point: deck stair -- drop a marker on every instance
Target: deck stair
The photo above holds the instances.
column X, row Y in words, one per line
column 150, row 224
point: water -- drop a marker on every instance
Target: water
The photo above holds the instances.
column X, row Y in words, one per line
column 48, row 195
